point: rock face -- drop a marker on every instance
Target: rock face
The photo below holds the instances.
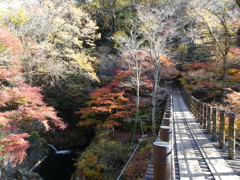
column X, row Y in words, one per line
column 18, row 174
column 22, row 171
column 23, row 174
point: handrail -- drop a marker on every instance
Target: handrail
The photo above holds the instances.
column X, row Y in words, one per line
column 164, row 168
column 215, row 121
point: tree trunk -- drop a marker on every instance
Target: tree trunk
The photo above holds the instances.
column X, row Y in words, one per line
column 154, row 101
column 134, row 128
column 224, row 82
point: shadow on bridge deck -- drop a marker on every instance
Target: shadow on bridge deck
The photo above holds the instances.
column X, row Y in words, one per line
column 196, row 156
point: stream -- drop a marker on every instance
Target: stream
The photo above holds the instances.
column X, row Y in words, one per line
column 59, row 165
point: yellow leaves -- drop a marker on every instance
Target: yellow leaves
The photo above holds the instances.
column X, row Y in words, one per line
column 16, row 16
column 55, row 32
column 77, row 42
column 40, row 69
column 85, row 63
column 183, row 48
column 232, row 70
column 216, row 20
column 20, row 100
column 2, row 47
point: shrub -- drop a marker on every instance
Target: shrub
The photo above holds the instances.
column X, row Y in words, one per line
column 101, row 160
column 138, row 165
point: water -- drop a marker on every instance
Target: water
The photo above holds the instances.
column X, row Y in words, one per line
column 59, row 165
column 61, row 151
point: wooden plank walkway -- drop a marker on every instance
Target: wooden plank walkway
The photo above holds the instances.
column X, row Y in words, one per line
column 187, row 160
column 196, row 156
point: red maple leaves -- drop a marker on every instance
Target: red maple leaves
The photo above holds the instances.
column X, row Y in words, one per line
column 109, row 106
column 20, row 104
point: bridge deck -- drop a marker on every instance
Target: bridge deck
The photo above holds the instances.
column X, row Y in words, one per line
column 196, row 157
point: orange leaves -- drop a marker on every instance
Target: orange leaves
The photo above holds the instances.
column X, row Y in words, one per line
column 109, row 106
column 104, row 100
column 233, row 98
column 166, row 62
column 100, row 167
column 206, row 84
column 88, row 122
column 234, row 56
column 121, row 75
column 235, row 50
column 111, row 124
column 196, row 65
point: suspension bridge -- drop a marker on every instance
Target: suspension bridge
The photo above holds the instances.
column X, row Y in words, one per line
column 195, row 142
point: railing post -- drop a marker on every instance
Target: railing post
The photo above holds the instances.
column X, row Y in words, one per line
column 197, row 108
column 162, row 161
column 198, row 111
column 209, row 119
column 194, row 106
column 165, row 133
column 166, row 121
column 214, row 118
column 202, row 113
column 222, row 129
column 204, row 116
column 232, row 134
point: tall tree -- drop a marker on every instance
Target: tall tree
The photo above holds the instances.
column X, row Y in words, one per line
column 215, row 25
column 136, row 61
column 57, row 34
column 157, row 27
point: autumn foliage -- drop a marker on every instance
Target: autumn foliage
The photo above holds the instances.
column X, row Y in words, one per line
column 203, row 80
column 20, row 104
column 138, row 165
column 102, row 160
column 109, row 105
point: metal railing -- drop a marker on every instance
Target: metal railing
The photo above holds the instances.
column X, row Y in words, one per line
column 219, row 123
